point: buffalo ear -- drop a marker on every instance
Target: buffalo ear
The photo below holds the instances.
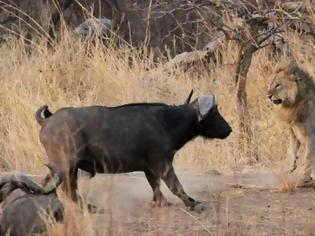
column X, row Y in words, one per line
column 203, row 105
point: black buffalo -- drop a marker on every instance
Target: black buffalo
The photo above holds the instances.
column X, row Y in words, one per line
column 133, row 137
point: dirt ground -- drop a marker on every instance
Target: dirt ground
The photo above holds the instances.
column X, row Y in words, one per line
column 239, row 204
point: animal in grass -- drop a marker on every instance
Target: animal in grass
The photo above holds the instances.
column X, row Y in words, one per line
column 132, row 137
column 24, row 203
column 293, row 92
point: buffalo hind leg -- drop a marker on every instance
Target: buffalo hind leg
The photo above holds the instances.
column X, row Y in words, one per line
column 175, row 186
column 69, row 183
column 70, row 187
column 154, row 182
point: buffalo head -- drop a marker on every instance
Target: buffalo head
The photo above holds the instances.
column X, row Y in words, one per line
column 211, row 124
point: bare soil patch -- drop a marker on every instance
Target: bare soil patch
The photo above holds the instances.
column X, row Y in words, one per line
column 239, row 204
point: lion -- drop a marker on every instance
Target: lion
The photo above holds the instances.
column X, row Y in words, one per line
column 293, row 92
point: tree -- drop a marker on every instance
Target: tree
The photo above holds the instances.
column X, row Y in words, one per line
column 253, row 35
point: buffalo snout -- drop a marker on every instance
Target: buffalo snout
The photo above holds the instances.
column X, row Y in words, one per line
column 215, row 126
column 224, row 129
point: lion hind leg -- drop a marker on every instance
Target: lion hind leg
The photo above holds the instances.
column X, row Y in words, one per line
column 308, row 178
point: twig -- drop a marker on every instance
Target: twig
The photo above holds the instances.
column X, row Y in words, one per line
column 198, row 221
column 26, row 15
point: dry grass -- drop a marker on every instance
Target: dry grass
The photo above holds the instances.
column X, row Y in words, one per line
column 77, row 221
column 67, row 76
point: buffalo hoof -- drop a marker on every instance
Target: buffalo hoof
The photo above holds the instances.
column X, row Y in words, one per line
column 160, row 204
column 199, row 207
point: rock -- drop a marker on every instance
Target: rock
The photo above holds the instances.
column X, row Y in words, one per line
column 94, row 28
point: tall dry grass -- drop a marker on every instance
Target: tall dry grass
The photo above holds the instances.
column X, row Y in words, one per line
column 68, row 75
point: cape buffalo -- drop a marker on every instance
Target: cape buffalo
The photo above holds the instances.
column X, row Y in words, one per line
column 132, row 137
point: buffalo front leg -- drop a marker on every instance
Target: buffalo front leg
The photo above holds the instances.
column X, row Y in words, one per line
column 175, row 186
column 154, row 182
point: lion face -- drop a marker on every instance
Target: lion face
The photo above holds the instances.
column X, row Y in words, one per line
column 284, row 88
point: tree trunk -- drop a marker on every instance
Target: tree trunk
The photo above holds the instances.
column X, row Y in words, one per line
column 246, row 146
column 245, row 132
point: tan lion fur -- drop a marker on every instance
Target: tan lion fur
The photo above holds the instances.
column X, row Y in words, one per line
column 293, row 91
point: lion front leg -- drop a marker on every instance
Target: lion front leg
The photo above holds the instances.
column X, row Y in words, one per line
column 293, row 150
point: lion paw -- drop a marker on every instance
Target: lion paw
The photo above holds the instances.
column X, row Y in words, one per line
column 306, row 182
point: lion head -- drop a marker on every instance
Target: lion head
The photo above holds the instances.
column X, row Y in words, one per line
column 290, row 85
